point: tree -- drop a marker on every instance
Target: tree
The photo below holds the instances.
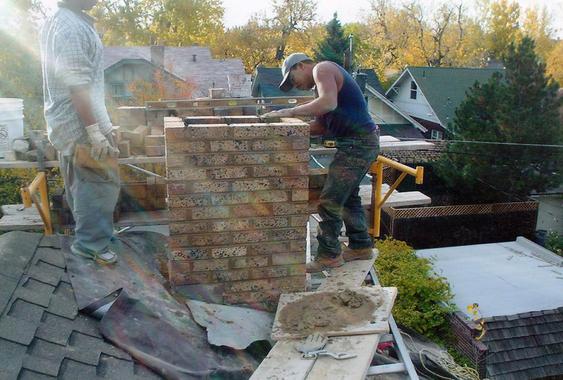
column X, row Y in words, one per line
column 502, row 26
column 254, row 43
column 291, row 16
column 555, row 62
column 519, row 108
column 537, row 25
column 335, row 45
column 125, row 22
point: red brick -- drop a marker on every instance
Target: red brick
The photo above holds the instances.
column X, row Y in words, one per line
column 210, row 265
column 252, row 185
column 250, row 210
column 200, row 240
column 189, row 174
column 268, row 248
column 250, row 262
column 231, row 251
column 289, row 183
column 228, row 172
column 273, row 222
column 301, row 169
column 269, row 171
column 210, row 187
column 299, row 220
column 260, row 300
column 231, row 275
column 288, row 258
column 300, row 195
column 184, row 201
column 290, row 157
column 186, row 253
column 215, row 212
column 230, row 198
column 269, row 196
column 216, row 159
column 228, row 146
column 186, row 147
column 290, row 208
column 189, row 228
column 249, row 159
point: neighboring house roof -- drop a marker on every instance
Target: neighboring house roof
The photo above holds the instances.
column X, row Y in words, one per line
column 373, row 91
column 206, row 72
column 373, row 80
column 266, row 81
column 42, row 334
column 444, row 87
column 517, row 286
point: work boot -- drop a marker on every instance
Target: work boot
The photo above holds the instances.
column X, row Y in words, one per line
column 358, row 254
column 321, row 263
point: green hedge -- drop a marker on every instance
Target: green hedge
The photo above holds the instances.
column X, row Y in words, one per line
column 424, row 299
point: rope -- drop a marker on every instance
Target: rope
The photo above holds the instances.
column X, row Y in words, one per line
column 446, row 361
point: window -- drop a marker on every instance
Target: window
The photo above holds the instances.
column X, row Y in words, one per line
column 436, row 134
column 413, row 90
column 117, row 89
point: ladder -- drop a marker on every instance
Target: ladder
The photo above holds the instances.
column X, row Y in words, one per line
column 405, row 364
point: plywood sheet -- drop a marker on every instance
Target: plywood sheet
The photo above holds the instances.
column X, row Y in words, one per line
column 375, row 323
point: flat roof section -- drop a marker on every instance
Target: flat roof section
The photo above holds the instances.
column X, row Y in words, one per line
column 503, row 278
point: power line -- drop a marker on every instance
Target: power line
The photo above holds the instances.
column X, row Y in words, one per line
column 485, row 142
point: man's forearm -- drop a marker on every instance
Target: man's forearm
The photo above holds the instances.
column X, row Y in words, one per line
column 317, row 107
column 80, row 96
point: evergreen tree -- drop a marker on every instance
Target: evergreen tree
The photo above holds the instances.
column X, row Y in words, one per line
column 521, row 108
column 334, row 46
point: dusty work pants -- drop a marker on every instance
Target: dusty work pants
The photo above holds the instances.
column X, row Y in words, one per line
column 91, row 195
column 340, row 200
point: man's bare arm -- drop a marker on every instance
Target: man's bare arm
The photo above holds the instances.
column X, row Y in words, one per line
column 80, row 97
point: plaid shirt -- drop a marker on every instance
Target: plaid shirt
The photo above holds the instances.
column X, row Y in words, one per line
column 71, row 55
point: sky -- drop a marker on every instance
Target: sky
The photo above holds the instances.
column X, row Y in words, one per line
column 237, row 12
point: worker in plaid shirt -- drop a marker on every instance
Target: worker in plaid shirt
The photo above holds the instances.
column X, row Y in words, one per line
column 76, row 115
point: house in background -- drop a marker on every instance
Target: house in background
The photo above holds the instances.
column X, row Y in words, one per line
column 193, row 65
column 391, row 120
column 265, row 84
column 517, row 286
column 430, row 95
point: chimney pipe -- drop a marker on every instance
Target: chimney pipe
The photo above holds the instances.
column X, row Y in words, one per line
column 157, row 55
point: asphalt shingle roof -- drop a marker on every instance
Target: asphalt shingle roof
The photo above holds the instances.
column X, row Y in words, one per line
column 525, row 346
column 206, row 72
column 42, row 335
column 445, row 87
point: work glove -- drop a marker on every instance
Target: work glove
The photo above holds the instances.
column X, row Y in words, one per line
column 101, row 147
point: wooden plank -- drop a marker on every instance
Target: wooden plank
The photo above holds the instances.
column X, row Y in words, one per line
column 15, row 218
column 349, row 275
column 283, row 362
column 5, row 164
column 364, row 346
column 376, row 323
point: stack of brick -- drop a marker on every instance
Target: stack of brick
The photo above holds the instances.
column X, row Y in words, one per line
column 238, row 201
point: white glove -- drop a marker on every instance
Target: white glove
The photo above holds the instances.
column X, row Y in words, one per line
column 101, row 147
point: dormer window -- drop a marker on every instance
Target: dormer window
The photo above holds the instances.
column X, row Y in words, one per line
column 413, row 90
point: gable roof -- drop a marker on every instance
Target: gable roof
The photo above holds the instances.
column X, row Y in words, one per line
column 394, row 107
column 444, row 87
column 373, row 80
column 267, row 80
column 206, row 72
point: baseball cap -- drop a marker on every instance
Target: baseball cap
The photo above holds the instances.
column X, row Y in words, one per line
column 288, row 63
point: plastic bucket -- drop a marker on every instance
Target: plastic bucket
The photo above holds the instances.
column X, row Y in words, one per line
column 11, row 122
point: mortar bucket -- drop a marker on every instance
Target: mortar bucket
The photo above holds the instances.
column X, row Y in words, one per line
column 11, row 122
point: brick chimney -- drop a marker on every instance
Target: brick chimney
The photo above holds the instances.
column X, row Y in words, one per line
column 157, row 55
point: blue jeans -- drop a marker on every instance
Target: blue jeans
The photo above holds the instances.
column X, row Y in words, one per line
column 340, row 201
column 91, row 195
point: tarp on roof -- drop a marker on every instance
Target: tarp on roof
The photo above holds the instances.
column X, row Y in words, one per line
column 145, row 320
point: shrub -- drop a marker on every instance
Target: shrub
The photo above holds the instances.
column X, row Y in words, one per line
column 424, row 299
column 554, row 242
